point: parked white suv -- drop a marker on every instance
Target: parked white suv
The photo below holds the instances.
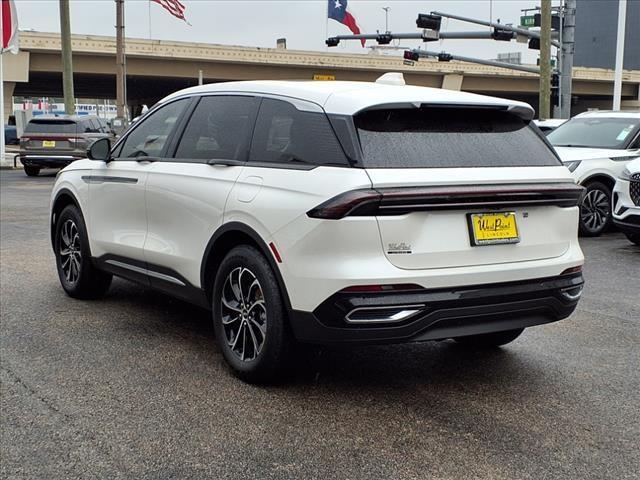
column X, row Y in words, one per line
column 626, row 201
column 596, row 146
column 331, row 213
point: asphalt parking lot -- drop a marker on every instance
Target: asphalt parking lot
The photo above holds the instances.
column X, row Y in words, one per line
column 133, row 386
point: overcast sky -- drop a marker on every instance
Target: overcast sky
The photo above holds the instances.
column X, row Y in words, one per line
column 260, row 22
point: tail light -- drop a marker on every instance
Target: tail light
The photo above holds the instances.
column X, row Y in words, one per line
column 354, row 202
column 401, row 200
column 572, row 270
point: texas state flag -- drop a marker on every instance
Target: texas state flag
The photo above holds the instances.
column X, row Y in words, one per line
column 338, row 11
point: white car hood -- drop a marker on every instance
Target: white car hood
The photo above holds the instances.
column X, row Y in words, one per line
column 568, row 154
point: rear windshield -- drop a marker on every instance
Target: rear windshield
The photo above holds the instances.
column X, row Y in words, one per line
column 449, row 137
column 595, row 132
column 51, row 126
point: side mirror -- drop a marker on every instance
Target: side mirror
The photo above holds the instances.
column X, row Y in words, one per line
column 100, row 150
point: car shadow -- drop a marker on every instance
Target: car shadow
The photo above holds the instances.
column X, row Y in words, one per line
column 428, row 363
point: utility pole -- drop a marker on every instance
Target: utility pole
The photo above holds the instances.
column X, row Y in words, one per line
column 545, row 59
column 566, row 56
column 386, row 18
column 120, row 72
column 617, row 76
column 67, row 64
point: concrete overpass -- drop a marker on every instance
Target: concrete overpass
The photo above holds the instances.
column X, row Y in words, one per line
column 157, row 67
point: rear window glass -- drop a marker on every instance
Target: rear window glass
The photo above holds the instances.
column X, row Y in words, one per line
column 449, row 137
column 51, row 126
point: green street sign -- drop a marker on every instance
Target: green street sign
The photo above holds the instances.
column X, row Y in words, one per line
column 528, row 21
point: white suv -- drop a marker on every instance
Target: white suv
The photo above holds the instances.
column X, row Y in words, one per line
column 329, row 213
column 596, row 146
column 626, row 202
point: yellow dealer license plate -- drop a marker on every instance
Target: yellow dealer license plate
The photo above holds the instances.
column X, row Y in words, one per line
column 48, row 143
column 492, row 228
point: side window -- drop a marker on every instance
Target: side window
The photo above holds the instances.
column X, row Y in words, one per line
column 149, row 137
column 219, row 128
column 284, row 134
column 86, row 126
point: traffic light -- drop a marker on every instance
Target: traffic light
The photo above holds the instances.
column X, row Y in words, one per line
column 555, row 89
column 384, row 38
column 534, row 43
column 428, row 21
column 445, row 57
column 411, row 55
column 502, row 34
column 332, row 41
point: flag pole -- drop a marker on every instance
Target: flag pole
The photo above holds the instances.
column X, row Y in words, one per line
column 149, row 8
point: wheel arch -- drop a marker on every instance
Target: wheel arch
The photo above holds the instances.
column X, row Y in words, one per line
column 63, row 199
column 607, row 180
column 223, row 240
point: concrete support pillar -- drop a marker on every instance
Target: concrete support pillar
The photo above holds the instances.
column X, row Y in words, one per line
column 8, row 88
column 452, row 81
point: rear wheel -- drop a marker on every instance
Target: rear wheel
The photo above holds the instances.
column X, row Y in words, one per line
column 595, row 210
column 633, row 237
column 78, row 275
column 488, row 340
column 249, row 316
column 31, row 171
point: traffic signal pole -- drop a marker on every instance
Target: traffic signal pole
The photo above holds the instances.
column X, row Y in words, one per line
column 544, row 103
column 566, row 56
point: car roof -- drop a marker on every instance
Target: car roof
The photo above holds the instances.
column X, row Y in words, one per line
column 610, row 114
column 349, row 98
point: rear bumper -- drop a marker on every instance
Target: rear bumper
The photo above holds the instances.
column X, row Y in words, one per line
column 441, row 313
column 52, row 161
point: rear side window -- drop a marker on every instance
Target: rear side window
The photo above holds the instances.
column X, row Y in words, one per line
column 50, row 126
column 150, row 136
column 218, row 128
column 285, row 135
column 449, row 137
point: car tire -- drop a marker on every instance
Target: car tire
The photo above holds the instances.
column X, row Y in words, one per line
column 78, row 276
column 595, row 210
column 633, row 237
column 31, row 171
column 249, row 317
column 490, row 340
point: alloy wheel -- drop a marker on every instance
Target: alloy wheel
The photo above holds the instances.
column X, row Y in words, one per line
column 595, row 210
column 70, row 254
column 244, row 314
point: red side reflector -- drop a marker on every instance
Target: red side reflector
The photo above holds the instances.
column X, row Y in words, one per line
column 398, row 287
column 275, row 252
column 571, row 270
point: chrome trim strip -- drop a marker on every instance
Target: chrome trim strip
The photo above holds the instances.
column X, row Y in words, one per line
column 106, row 179
column 144, row 271
column 408, row 311
column 52, row 157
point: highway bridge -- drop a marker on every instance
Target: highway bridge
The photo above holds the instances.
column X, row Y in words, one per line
column 157, row 67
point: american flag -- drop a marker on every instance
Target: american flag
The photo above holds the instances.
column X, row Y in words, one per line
column 174, row 7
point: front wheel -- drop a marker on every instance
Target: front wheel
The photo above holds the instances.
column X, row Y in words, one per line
column 78, row 276
column 595, row 210
column 488, row 340
column 249, row 316
column 633, row 237
column 31, row 171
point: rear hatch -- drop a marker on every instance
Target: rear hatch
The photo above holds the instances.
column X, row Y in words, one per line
column 464, row 187
column 58, row 136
